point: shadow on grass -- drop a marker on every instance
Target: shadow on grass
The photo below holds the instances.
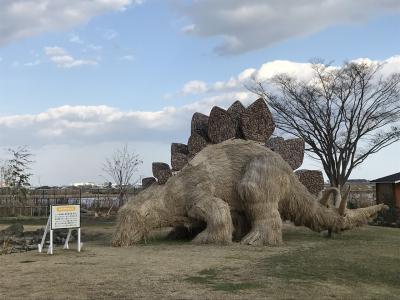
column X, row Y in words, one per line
column 162, row 241
column 211, row 278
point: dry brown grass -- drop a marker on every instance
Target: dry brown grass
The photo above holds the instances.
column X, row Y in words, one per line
column 361, row 264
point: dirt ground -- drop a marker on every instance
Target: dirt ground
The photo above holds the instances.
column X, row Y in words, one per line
column 361, row 264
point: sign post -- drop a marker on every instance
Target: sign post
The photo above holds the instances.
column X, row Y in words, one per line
column 62, row 217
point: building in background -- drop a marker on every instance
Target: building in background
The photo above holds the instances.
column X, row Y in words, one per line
column 388, row 192
column 362, row 193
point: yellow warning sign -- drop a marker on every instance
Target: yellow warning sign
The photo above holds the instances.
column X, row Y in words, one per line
column 65, row 216
column 67, row 208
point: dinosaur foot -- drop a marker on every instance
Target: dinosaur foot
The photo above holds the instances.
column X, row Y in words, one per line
column 258, row 237
column 213, row 237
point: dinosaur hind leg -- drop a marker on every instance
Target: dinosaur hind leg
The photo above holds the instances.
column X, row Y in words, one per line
column 260, row 196
column 215, row 212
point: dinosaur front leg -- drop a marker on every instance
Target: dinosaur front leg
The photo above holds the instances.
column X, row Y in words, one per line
column 216, row 214
column 260, row 196
column 266, row 229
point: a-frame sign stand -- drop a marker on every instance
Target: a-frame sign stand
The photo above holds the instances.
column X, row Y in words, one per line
column 62, row 217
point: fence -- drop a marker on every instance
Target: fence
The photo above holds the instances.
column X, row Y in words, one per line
column 37, row 202
column 31, row 211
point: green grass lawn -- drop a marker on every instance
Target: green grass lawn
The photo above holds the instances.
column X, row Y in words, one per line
column 360, row 264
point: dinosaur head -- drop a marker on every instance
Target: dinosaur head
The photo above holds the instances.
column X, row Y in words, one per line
column 343, row 218
column 144, row 212
column 133, row 223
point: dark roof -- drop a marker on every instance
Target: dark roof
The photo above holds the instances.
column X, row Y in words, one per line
column 394, row 178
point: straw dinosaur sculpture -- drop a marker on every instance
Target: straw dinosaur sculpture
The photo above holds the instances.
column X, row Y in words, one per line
column 228, row 180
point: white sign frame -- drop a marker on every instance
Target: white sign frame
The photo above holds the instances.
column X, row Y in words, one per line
column 53, row 216
column 49, row 228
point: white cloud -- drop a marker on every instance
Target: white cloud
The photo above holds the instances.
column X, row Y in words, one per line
column 67, row 138
column 128, row 58
column 15, row 64
column 189, row 28
column 55, row 51
column 92, row 47
column 110, row 34
column 63, row 59
column 86, row 46
column 33, row 63
column 74, row 38
column 236, row 85
column 301, row 71
column 224, row 93
column 86, row 124
column 254, row 24
column 26, row 18
column 194, row 87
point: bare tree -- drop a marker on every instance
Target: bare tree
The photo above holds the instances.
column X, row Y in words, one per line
column 121, row 167
column 15, row 171
column 343, row 114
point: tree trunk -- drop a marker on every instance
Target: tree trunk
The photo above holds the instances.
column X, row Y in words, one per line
column 121, row 198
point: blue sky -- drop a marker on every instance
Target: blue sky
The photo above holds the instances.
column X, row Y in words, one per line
column 79, row 78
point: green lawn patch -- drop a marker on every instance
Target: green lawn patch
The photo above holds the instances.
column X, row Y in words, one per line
column 214, row 278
